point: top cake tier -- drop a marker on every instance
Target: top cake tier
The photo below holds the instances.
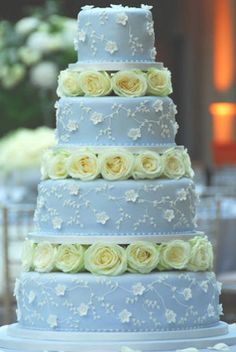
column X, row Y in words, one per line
column 115, row 34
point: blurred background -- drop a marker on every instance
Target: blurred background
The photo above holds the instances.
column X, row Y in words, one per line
column 194, row 39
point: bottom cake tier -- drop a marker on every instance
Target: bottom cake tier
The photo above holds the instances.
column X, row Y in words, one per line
column 166, row 301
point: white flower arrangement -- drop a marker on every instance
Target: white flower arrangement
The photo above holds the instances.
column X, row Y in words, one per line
column 27, row 146
column 111, row 259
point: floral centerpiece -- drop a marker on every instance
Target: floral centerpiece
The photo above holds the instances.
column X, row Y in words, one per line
column 33, row 51
column 20, row 158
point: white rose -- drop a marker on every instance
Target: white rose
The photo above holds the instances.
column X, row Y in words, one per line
column 148, row 165
column 26, row 25
column 27, row 255
column 28, row 56
column 44, row 42
column 45, row 162
column 159, row 82
column 83, row 165
column 201, row 254
column 174, row 166
column 70, row 258
column 105, row 259
column 44, row 257
column 174, row 255
column 129, row 83
column 68, row 84
column 187, row 162
column 57, row 166
column 95, row 83
column 116, row 165
column 142, row 256
column 44, row 75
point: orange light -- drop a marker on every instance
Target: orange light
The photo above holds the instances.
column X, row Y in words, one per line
column 223, row 115
column 223, row 45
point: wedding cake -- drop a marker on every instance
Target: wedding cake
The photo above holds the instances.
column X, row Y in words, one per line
column 115, row 263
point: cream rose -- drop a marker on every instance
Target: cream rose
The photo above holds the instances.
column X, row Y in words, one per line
column 159, row 82
column 57, row 166
column 83, row 165
column 68, row 84
column 47, row 156
column 95, row 83
column 174, row 166
column 148, row 165
column 70, row 258
column 142, row 256
column 27, row 255
column 116, row 165
column 129, row 83
column 187, row 162
column 44, row 257
column 201, row 254
column 105, row 259
column 174, row 255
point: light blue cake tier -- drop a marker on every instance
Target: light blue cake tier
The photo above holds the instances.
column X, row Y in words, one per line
column 128, row 208
column 105, row 121
column 115, row 34
column 132, row 302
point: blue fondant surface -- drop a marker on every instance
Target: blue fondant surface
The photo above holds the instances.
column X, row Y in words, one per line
column 115, row 34
column 154, row 302
column 115, row 208
column 144, row 121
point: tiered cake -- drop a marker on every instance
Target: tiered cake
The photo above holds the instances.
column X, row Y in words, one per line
column 115, row 262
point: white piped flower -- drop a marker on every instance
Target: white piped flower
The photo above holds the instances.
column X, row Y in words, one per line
column 204, row 286
column 57, row 223
column 150, row 28
column 210, row 310
column 158, row 105
column 82, row 36
column 102, row 218
column 74, row 189
column 122, row 18
column 87, row 7
column 169, row 215
column 146, row 7
column 220, row 309
column 52, row 321
column 72, row 126
column 138, row 289
column 31, row 297
column 170, row 316
column 176, row 127
column 182, row 194
column 134, row 133
column 187, row 293
column 111, row 47
column 83, row 309
column 125, row 316
column 131, row 196
column 116, row 6
column 175, row 111
column 60, row 290
column 219, row 286
column 219, row 347
column 153, row 53
column 96, row 118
